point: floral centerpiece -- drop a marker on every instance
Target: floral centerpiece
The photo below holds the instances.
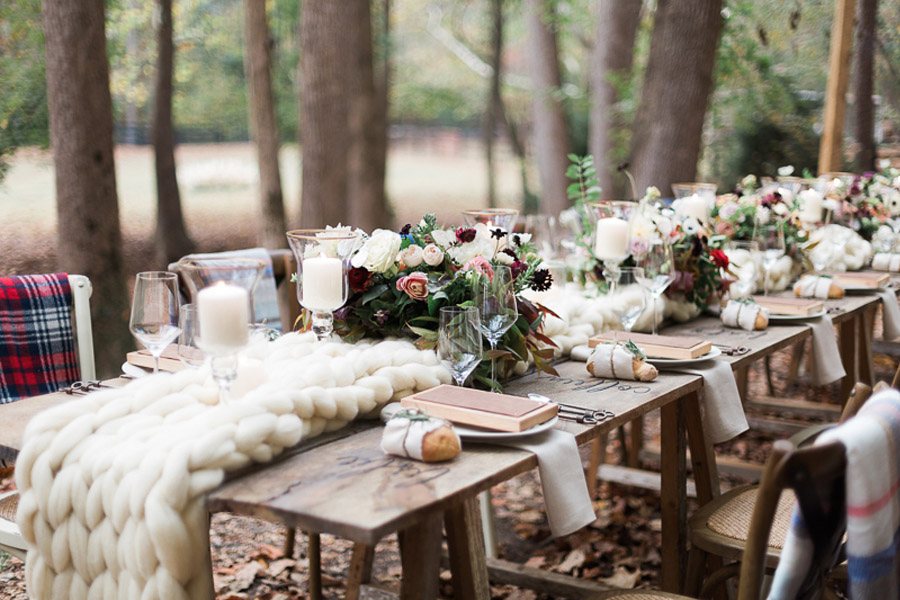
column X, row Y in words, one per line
column 399, row 281
column 865, row 203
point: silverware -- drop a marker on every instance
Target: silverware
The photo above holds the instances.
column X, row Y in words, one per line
column 579, row 414
column 732, row 350
column 82, row 388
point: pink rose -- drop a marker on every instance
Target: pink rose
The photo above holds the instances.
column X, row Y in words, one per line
column 415, row 285
column 725, row 228
column 481, row 265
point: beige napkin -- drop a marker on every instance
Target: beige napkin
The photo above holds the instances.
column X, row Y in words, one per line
column 566, row 497
column 720, row 406
column 890, row 313
column 826, row 354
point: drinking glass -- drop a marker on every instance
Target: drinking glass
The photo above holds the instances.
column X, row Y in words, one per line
column 612, row 231
column 545, row 234
column 743, row 258
column 503, row 218
column 154, row 312
column 323, row 261
column 658, row 264
column 631, row 298
column 495, row 298
column 695, row 188
column 189, row 340
column 770, row 239
column 459, row 341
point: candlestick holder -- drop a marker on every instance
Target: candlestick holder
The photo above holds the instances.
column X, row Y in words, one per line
column 612, row 234
column 224, row 368
column 503, row 218
column 323, row 261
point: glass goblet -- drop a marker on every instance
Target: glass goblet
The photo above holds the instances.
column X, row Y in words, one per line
column 658, row 264
column 154, row 312
column 459, row 341
column 502, row 218
column 771, row 248
column 495, row 298
column 189, row 351
column 629, row 297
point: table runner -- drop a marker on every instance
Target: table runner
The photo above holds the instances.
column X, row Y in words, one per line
column 112, row 485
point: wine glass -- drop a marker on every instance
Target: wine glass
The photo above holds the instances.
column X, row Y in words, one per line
column 154, row 312
column 658, row 264
column 770, row 239
column 189, row 340
column 495, row 298
column 630, row 297
column 459, row 341
column 743, row 258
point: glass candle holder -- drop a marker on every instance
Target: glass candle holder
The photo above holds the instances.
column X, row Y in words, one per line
column 503, row 218
column 200, row 272
column 612, row 231
column 323, row 260
column 694, row 188
column 223, row 315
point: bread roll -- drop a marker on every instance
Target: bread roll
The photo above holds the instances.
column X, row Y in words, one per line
column 814, row 286
column 614, row 361
column 745, row 315
column 413, row 434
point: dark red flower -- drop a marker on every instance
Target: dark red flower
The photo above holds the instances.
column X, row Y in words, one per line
column 465, row 234
column 359, row 278
column 517, row 268
column 719, row 258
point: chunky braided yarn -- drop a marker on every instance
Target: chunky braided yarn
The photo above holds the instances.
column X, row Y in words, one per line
column 112, row 485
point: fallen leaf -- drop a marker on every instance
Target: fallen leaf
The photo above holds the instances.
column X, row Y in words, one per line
column 279, row 566
column 245, row 576
column 573, row 560
column 622, row 578
column 535, row 562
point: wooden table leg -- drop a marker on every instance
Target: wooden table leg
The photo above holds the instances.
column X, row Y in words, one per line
column 864, row 344
column 848, row 354
column 314, row 554
column 360, row 571
column 703, row 455
column 420, row 557
column 597, row 457
column 465, row 543
column 290, row 537
column 636, row 442
column 742, row 378
column 673, row 495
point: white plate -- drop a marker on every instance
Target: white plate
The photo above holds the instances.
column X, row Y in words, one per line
column 685, row 362
column 861, row 289
column 134, row 370
column 774, row 317
column 485, row 435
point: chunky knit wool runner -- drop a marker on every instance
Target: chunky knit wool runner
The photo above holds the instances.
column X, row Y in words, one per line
column 112, row 485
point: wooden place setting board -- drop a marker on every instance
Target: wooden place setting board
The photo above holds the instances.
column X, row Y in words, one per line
column 862, row 279
column 674, row 347
column 168, row 361
column 783, row 305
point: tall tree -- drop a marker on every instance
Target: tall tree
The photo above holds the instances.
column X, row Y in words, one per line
column 493, row 105
column 611, row 62
column 864, row 73
column 81, row 134
column 550, row 132
column 367, row 119
column 324, row 106
column 675, row 95
column 263, row 124
column 172, row 241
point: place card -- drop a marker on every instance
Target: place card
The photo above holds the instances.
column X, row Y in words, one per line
column 658, row 346
column 782, row 305
column 478, row 408
column 862, row 280
column 168, row 361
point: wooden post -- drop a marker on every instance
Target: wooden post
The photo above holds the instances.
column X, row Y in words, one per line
column 836, row 90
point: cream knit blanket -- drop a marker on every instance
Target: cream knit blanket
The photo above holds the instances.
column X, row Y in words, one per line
column 112, row 485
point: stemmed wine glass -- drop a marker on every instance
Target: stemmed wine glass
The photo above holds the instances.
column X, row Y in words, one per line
column 495, row 298
column 459, row 341
column 658, row 264
column 154, row 312
column 631, row 297
column 770, row 239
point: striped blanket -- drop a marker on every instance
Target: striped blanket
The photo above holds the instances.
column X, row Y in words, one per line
column 873, row 506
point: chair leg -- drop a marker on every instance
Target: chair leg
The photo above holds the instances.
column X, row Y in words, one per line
column 695, row 568
column 719, row 578
column 290, row 537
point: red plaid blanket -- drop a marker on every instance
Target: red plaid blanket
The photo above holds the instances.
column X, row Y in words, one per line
column 37, row 345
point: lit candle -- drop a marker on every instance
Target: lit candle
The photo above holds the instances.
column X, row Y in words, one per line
column 811, row 204
column 323, row 283
column 611, row 241
column 693, row 206
column 224, row 315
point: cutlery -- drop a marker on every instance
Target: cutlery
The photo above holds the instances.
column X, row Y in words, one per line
column 732, row 350
column 82, row 388
column 579, row 414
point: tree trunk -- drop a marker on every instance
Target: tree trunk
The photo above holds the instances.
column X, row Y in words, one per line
column 611, row 62
column 864, row 72
column 172, row 241
column 367, row 122
column 550, row 133
column 263, row 124
column 81, row 134
column 492, row 108
column 675, row 95
column 324, row 106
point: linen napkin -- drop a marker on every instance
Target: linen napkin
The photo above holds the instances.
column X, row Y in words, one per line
column 566, row 497
column 720, row 401
column 890, row 314
column 826, row 354
column 884, row 261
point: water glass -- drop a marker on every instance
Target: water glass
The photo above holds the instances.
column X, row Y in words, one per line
column 658, row 273
column 770, row 239
column 459, row 341
column 189, row 340
column 630, row 297
column 743, row 258
column 154, row 312
column 495, row 298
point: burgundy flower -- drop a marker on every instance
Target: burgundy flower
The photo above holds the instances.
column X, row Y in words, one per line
column 381, row 316
column 517, row 268
column 719, row 258
column 359, row 278
column 684, row 282
column 342, row 313
column 465, row 234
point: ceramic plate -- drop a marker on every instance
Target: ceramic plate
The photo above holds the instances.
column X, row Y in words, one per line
column 774, row 317
column 134, row 370
column 685, row 362
column 485, row 435
column 861, row 289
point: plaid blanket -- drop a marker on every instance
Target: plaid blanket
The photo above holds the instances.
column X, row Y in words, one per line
column 873, row 506
column 37, row 345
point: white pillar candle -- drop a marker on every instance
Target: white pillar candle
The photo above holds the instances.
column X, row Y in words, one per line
column 693, row 206
column 611, row 239
column 224, row 314
column 811, row 205
column 323, row 283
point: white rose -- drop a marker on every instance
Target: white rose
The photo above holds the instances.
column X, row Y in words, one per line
column 786, row 195
column 463, row 253
column 411, row 256
column 432, row 255
column 379, row 252
column 892, row 202
column 780, row 209
column 444, row 238
column 505, row 259
column 762, row 215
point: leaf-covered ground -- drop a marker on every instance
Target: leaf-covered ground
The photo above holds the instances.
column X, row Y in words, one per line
column 620, row 548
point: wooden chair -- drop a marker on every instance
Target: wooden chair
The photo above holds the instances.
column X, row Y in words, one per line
column 724, row 526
